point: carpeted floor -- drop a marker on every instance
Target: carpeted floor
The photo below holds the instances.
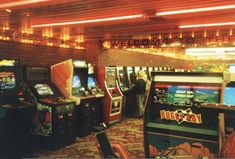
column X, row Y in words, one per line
column 129, row 132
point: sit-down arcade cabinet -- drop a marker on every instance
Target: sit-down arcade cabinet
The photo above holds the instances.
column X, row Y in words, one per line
column 176, row 123
column 15, row 112
column 53, row 118
column 71, row 77
column 112, row 103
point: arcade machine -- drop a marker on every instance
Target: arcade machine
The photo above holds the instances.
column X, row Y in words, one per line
column 131, row 106
column 53, row 118
column 15, row 112
column 176, row 122
column 96, row 112
column 112, row 104
column 227, row 105
column 122, row 78
column 123, row 85
column 71, row 77
column 131, row 76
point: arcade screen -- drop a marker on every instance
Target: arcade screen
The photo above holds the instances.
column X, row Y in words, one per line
column 206, row 94
column 80, row 63
column 179, row 96
column 43, row 89
column 7, row 80
column 229, row 93
column 131, row 74
column 76, row 85
column 7, row 62
column 185, row 95
column 91, row 83
column 121, row 78
column 111, row 77
column 90, row 69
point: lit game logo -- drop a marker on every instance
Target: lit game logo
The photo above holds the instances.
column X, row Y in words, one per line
column 180, row 116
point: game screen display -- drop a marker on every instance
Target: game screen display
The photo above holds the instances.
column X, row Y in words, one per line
column 7, row 62
column 206, row 95
column 232, row 68
column 90, row 69
column 131, row 74
column 179, row 96
column 76, row 85
column 121, row 77
column 7, row 80
column 229, row 97
column 91, row 83
column 43, row 89
column 185, row 95
column 80, row 64
column 111, row 77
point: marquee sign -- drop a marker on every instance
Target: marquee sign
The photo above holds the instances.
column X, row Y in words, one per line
column 181, row 115
column 144, row 42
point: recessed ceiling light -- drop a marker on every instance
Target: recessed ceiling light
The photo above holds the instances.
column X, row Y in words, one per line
column 8, row 10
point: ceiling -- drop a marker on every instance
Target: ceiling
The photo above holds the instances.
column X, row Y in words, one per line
column 19, row 13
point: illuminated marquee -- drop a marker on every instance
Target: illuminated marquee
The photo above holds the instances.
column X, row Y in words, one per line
column 181, row 115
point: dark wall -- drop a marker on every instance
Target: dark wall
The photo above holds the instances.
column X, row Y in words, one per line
column 116, row 57
column 37, row 55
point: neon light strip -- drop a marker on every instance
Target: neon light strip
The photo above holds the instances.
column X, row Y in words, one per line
column 195, row 10
column 88, row 21
column 210, row 51
column 19, row 3
column 206, row 25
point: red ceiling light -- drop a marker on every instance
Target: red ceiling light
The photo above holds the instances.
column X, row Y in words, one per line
column 206, row 25
column 19, row 3
column 88, row 21
column 195, row 10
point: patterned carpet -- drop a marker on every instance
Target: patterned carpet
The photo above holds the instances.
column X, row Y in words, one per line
column 129, row 132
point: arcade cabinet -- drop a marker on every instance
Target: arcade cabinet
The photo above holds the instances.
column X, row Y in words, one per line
column 228, row 103
column 112, row 103
column 130, row 75
column 131, row 105
column 96, row 109
column 15, row 112
column 71, row 77
column 53, row 118
column 123, row 85
column 122, row 78
column 176, row 122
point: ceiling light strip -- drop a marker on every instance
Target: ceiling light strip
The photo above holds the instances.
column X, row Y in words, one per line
column 195, row 10
column 210, row 51
column 19, row 3
column 206, row 25
column 88, row 21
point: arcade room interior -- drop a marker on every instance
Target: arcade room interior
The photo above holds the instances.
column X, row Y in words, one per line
column 117, row 79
